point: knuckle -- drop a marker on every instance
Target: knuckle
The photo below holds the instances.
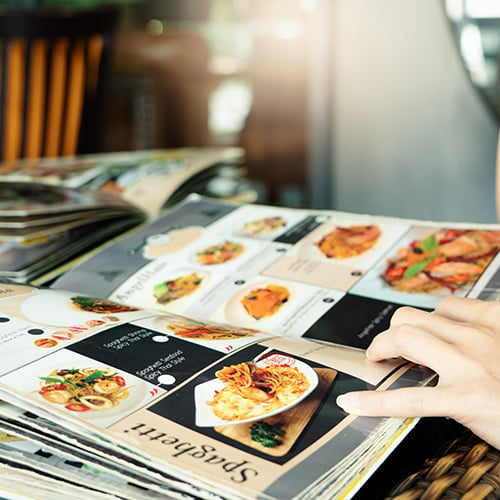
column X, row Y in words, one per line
column 447, row 301
column 415, row 403
column 403, row 335
column 401, row 314
column 491, row 314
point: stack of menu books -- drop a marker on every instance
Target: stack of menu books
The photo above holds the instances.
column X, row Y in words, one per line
column 201, row 355
column 54, row 209
column 42, row 226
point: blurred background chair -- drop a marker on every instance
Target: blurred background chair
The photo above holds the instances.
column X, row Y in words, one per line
column 53, row 68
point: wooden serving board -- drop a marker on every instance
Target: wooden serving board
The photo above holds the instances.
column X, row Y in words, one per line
column 292, row 421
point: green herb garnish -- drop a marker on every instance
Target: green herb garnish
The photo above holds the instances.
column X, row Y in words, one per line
column 93, row 376
column 416, row 268
column 58, row 381
column 428, row 245
column 266, row 434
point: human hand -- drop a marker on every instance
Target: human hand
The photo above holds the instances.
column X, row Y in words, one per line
column 460, row 341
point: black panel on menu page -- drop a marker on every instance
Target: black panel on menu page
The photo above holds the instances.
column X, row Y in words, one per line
column 353, row 321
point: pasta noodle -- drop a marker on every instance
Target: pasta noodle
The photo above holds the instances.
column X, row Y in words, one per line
column 252, row 391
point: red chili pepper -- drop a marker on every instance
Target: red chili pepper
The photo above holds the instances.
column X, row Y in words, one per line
column 395, row 273
column 450, row 235
column 492, row 252
column 443, row 283
column 77, row 407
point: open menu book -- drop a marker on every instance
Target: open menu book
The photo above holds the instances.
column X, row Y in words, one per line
column 53, row 209
column 201, row 355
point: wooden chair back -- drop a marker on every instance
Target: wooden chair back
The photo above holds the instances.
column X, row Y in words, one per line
column 52, row 75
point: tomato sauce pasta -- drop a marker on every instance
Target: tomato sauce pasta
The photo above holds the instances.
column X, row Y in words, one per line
column 251, row 391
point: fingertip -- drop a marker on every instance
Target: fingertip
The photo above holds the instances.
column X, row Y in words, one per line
column 349, row 402
column 373, row 352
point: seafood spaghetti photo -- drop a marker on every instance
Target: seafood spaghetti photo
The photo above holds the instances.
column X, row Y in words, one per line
column 84, row 389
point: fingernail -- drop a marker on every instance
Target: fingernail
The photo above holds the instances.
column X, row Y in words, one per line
column 348, row 402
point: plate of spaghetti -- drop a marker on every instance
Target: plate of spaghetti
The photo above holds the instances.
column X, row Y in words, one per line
column 219, row 253
column 59, row 308
column 344, row 242
column 181, row 285
column 88, row 391
column 258, row 302
column 263, row 227
column 248, row 391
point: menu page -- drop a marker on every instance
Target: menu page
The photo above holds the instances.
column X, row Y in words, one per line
column 326, row 275
column 244, row 409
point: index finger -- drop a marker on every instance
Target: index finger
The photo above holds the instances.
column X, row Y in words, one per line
column 444, row 327
column 417, row 345
column 404, row 402
column 470, row 310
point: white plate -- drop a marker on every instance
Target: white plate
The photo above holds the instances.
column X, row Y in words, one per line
column 137, row 394
column 308, row 247
column 236, row 314
column 180, row 303
column 205, row 417
column 219, row 241
column 269, row 233
column 55, row 308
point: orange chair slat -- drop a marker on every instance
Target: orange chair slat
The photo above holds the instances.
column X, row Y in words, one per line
column 36, row 99
column 74, row 101
column 14, row 108
column 94, row 53
column 56, row 97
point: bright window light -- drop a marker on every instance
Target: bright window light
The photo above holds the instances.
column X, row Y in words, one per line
column 482, row 8
column 472, row 51
column 455, row 9
column 229, row 105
